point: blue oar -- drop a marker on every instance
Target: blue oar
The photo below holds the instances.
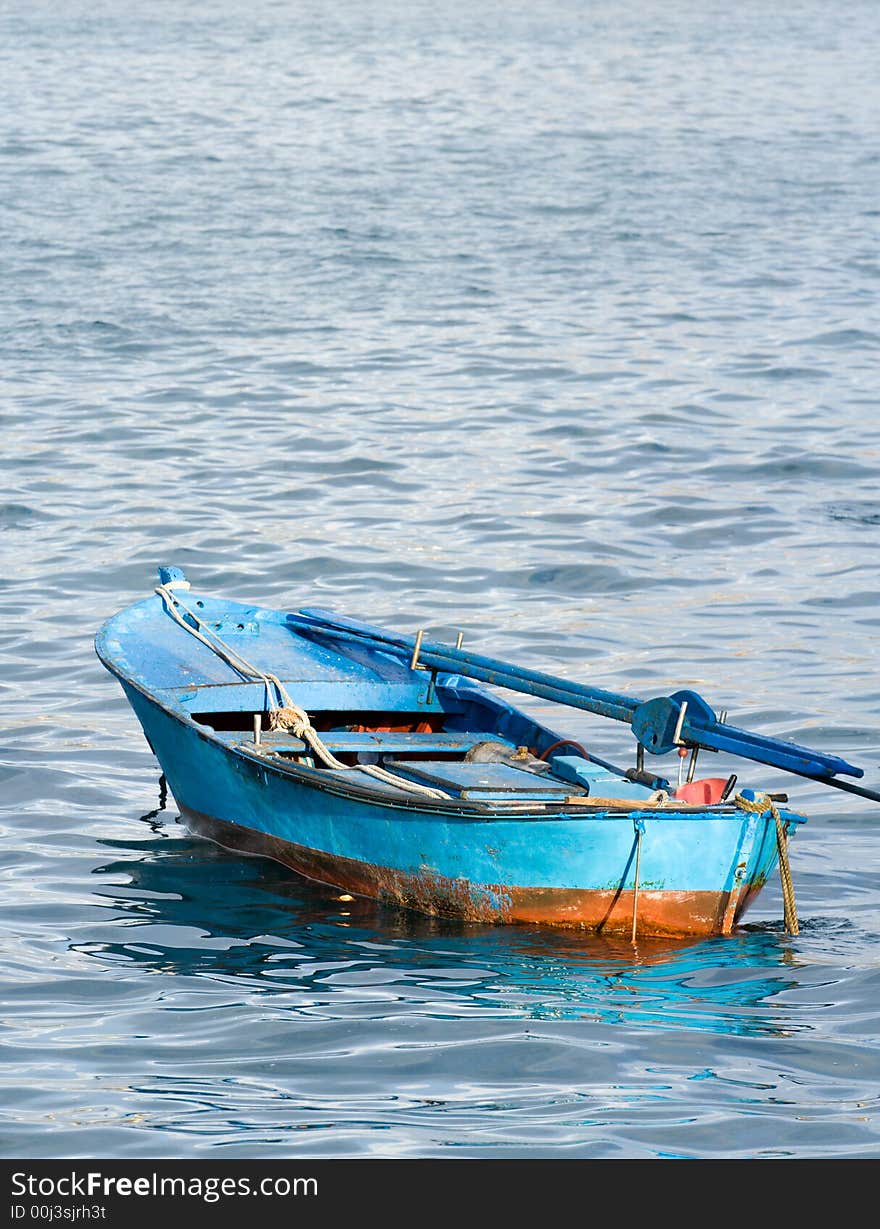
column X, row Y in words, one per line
column 487, row 669
column 660, row 725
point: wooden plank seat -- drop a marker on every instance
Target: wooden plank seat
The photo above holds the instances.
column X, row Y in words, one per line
column 399, row 743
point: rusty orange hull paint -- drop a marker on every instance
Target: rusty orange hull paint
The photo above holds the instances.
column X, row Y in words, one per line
column 659, row 913
column 665, row 914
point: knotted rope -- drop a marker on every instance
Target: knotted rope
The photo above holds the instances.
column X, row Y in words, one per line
column 283, row 713
column 760, row 806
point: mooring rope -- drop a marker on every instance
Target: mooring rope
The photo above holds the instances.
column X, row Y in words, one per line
column 760, row 806
column 283, row 713
column 639, row 826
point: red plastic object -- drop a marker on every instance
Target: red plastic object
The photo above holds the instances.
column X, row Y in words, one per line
column 701, row 793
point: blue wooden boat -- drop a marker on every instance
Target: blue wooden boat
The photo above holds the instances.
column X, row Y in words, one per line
column 388, row 766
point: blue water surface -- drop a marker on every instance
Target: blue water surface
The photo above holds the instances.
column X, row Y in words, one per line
column 557, row 324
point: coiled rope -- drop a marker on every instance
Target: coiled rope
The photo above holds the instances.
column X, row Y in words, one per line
column 760, row 806
column 283, row 713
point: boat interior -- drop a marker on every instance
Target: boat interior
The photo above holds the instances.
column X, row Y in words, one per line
column 458, row 741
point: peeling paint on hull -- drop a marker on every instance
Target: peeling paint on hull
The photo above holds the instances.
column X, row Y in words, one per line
column 603, row 912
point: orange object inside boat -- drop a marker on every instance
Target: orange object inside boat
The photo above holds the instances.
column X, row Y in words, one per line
column 701, row 793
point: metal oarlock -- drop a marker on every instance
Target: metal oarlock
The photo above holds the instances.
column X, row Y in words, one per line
column 676, row 737
column 414, row 660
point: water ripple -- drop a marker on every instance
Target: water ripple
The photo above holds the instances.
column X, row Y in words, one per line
column 426, row 315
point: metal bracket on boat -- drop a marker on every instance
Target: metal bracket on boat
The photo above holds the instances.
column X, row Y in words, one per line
column 676, row 737
column 417, row 648
column 637, row 774
column 415, row 664
column 695, row 750
column 692, row 765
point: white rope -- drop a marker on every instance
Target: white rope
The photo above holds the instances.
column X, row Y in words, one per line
column 284, row 715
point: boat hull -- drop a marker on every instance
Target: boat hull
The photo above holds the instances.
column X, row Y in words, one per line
column 688, row 873
column 603, row 911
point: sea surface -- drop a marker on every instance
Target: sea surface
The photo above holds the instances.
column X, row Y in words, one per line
column 554, row 323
